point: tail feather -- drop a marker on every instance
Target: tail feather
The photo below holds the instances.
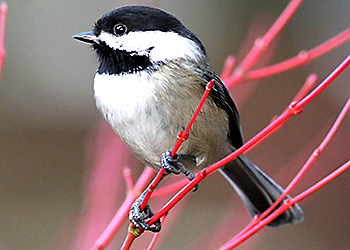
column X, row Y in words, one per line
column 257, row 190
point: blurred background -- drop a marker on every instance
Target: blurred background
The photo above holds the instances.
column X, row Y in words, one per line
column 50, row 130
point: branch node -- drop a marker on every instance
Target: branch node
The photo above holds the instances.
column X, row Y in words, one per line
column 203, row 173
column 316, row 152
column 257, row 218
column 182, row 137
column 292, row 108
column 239, row 72
column 288, row 203
column 151, row 188
column 260, row 43
column 136, row 231
column 303, row 55
column 210, row 85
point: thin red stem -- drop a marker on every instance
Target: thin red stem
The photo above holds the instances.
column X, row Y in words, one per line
column 311, row 159
column 257, row 227
column 302, row 58
column 308, row 85
column 336, row 125
column 151, row 188
column 285, row 206
column 3, row 14
column 321, row 183
column 255, row 221
column 129, row 181
column 123, row 211
column 170, row 188
column 345, row 63
column 254, row 227
column 156, row 235
column 182, row 136
column 128, row 241
column 262, row 43
column 229, row 65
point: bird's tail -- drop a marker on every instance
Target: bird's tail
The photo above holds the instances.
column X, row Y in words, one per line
column 257, row 190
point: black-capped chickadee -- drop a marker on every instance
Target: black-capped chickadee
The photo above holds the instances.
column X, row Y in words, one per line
column 151, row 76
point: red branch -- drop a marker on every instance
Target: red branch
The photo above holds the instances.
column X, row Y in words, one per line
column 294, row 108
column 321, row 183
column 254, row 226
column 182, row 136
column 286, row 205
column 3, row 14
column 156, row 235
column 308, row 85
column 261, row 44
column 117, row 220
column 302, row 58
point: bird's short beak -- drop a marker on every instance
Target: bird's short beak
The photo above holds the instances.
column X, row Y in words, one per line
column 86, row 37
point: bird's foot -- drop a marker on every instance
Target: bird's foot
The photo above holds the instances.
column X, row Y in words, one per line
column 173, row 164
column 138, row 218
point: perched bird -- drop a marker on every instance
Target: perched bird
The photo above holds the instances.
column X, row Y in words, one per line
column 152, row 73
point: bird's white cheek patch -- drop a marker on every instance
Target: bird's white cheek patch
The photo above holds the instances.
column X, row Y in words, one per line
column 111, row 40
column 158, row 45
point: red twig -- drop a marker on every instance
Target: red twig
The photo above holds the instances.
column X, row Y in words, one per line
column 3, row 14
column 286, row 205
column 255, row 223
column 242, row 235
column 128, row 240
column 119, row 217
column 169, row 188
column 321, row 183
column 294, row 108
column 156, row 235
column 129, row 181
column 262, row 43
column 229, row 65
column 302, row 58
column 308, row 85
column 324, row 84
column 182, row 136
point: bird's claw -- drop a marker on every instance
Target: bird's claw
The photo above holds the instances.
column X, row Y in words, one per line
column 172, row 164
column 138, row 218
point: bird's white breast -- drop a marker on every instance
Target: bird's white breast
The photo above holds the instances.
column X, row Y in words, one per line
column 128, row 103
column 122, row 95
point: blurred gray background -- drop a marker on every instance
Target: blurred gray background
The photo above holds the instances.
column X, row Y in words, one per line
column 47, row 112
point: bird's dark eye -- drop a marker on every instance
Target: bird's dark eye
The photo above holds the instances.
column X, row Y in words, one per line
column 119, row 29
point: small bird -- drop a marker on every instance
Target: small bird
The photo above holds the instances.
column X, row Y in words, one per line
column 151, row 76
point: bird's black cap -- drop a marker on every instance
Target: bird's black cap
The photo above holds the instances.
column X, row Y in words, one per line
column 143, row 18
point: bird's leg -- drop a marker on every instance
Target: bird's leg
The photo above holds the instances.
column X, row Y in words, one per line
column 173, row 164
column 138, row 217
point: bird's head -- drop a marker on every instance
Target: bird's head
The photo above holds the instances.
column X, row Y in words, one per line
column 134, row 38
